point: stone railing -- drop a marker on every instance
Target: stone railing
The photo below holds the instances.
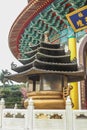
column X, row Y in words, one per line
column 40, row 119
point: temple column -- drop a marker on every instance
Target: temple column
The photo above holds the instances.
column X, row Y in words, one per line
column 74, row 91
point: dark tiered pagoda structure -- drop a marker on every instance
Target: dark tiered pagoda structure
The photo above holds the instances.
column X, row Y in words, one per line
column 50, row 70
column 37, row 39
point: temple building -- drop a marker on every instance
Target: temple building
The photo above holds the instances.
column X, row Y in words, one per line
column 49, row 39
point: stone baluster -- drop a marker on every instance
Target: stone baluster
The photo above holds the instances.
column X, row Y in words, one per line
column 16, row 106
column 2, row 106
column 69, row 114
column 29, row 115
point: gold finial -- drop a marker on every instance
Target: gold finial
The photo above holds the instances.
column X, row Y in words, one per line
column 46, row 36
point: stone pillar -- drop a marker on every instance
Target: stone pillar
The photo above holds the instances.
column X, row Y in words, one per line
column 27, row 86
column 41, row 83
column 65, row 81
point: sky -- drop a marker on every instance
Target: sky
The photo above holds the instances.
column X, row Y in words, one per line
column 9, row 10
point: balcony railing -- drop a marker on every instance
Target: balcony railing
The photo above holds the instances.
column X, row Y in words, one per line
column 40, row 119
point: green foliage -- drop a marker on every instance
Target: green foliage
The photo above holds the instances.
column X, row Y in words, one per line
column 12, row 95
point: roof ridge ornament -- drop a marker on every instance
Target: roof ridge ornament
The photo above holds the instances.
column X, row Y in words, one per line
column 13, row 65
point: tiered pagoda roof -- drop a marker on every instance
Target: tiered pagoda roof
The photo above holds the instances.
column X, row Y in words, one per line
column 46, row 58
